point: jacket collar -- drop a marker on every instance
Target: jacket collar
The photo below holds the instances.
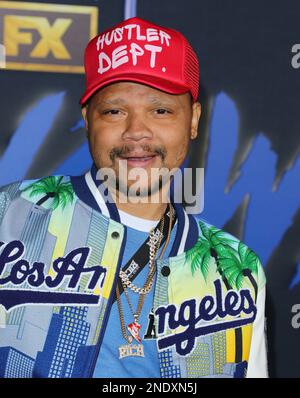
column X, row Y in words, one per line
column 91, row 191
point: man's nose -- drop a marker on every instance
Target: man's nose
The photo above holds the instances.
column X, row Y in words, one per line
column 136, row 128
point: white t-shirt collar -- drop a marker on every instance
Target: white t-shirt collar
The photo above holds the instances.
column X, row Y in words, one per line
column 141, row 224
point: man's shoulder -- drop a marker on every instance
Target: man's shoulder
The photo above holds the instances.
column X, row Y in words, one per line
column 231, row 253
column 214, row 234
column 32, row 188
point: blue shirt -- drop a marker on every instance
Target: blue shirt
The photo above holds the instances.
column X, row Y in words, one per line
column 108, row 364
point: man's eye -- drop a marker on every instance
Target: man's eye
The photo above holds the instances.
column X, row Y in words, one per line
column 112, row 112
column 162, row 111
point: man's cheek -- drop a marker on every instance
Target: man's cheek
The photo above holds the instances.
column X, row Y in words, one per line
column 181, row 152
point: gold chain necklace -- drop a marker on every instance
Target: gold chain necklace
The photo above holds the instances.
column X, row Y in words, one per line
column 134, row 327
column 153, row 251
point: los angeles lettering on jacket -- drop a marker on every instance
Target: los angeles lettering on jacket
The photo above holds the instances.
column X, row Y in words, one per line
column 196, row 317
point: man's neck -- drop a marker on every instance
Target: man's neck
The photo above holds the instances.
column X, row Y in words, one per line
column 149, row 208
column 149, row 211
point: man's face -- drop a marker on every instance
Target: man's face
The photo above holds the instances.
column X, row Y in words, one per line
column 144, row 127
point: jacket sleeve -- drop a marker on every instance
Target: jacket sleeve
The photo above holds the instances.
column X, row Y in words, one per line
column 257, row 365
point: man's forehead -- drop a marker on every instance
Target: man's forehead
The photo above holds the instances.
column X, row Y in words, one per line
column 117, row 93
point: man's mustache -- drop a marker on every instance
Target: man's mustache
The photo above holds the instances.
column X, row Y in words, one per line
column 125, row 150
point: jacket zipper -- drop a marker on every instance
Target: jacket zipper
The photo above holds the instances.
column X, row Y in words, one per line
column 108, row 307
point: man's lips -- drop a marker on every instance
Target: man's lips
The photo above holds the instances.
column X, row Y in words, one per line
column 138, row 155
column 139, row 160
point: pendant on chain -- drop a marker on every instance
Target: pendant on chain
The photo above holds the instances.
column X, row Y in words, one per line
column 134, row 328
column 131, row 350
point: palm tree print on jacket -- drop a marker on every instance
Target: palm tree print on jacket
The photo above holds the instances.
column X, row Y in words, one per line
column 52, row 187
column 232, row 264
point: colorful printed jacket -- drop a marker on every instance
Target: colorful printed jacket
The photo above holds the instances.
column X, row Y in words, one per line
column 61, row 248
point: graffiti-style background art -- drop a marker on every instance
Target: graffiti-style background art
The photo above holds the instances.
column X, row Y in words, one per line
column 249, row 136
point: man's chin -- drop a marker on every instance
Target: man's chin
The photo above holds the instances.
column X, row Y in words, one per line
column 137, row 192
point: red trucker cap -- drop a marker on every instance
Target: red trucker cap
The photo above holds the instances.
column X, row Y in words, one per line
column 140, row 51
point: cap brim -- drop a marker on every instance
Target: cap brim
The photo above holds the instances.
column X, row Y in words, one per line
column 152, row 81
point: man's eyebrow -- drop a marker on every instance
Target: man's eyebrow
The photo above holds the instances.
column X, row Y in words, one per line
column 161, row 101
column 116, row 101
column 153, row 100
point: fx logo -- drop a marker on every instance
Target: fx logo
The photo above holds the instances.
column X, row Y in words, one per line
column 46, row 37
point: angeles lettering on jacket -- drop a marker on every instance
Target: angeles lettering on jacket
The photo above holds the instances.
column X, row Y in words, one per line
column 199, row 319
column 69, row 268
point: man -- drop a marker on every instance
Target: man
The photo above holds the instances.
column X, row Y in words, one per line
column 105, row 274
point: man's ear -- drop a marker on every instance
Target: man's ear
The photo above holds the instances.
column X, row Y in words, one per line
column 84, row 111
column 196, row 114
